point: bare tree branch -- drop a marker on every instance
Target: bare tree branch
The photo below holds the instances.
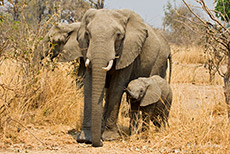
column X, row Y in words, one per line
column 198, row 17
column 98, row 5
column 217, row 46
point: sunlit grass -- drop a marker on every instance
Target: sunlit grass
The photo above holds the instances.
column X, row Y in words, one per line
column 198, row 119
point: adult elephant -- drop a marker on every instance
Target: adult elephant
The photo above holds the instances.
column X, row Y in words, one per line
column 120, row 48
column 60, row 40
column 115, row 47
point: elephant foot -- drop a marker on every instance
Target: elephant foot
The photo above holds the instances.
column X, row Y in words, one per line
column 84, row 137
column 98, row 145
column 110, row 135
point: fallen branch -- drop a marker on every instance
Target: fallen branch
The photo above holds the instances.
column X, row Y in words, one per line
column 28, row 131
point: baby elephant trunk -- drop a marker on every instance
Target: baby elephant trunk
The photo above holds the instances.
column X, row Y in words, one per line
column 131, row 94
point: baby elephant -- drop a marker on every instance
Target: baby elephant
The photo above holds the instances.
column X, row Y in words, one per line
column 152, row 96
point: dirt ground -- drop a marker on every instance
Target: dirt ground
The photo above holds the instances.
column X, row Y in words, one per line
column 60, row 139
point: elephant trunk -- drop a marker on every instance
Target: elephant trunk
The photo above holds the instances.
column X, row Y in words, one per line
column 98, row 83
column 131, row 94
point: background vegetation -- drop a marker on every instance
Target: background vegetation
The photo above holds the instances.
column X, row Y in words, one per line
column 46, row 100
column 176, row 25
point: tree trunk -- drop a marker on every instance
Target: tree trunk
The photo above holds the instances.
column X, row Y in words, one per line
column 227, row 87
column 227, row 94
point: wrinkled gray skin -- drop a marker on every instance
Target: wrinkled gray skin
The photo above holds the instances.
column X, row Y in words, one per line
column 60, row 40
column 135, row 48
column 152, row 96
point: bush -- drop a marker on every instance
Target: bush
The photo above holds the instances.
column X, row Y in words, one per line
column 177, row 27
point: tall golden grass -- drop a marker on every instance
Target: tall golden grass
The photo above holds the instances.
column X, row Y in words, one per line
column 189, row 66
column 52, row 100
column 198, row 119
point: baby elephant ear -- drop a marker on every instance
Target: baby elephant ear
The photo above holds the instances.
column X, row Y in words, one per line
column 71, row 49
column 152, row 95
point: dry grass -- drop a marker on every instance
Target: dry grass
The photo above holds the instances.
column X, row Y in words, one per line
column 198, row 123
column 52, row 100
column 188, row 55
column 193, row 73
column 62, row 102
column 198, row 119
column 189, row 66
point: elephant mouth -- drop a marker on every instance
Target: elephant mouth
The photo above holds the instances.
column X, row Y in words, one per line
column 107, row 68
column 134, row 100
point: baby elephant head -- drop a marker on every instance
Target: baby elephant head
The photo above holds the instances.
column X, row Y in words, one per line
column 145, row 90
column 136, row 89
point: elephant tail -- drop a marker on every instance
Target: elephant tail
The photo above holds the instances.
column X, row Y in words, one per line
column 170, row 67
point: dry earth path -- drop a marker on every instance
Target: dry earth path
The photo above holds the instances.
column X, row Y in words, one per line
column 57, row 139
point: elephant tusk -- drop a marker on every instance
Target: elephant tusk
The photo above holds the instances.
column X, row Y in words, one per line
column 87, row 62
column 109, row 66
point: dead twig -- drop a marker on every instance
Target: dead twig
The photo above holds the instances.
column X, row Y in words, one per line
column 10, row 118
column 217, row 45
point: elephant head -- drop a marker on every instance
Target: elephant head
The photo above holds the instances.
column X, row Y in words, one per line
column 111, row 39
column 136, row 89
column 59, row 41
column 145, row 90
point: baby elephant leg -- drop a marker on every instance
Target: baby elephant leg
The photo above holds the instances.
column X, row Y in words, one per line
column 156, row 120
column 164, row 117
column 134, row 119
column 145, row 120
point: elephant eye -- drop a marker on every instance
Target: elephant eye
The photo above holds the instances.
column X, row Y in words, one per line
column 86, row 34
column 119, row 36
column 118, row 41
column 141, row 91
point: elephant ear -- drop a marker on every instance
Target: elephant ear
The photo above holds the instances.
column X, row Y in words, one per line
column 152, row 95
column 71, row 49
column 59, row 32
column 81, row 32
column 135, row 36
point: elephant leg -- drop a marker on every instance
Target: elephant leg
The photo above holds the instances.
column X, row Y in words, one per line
column 156, row 123
column 146, row 120
column 115, row 90
column 85, row 134
column 105, row 107
column 111, row 110
column 134, row 118
column 155, row 118
column 164, row 116
column 164, row 112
